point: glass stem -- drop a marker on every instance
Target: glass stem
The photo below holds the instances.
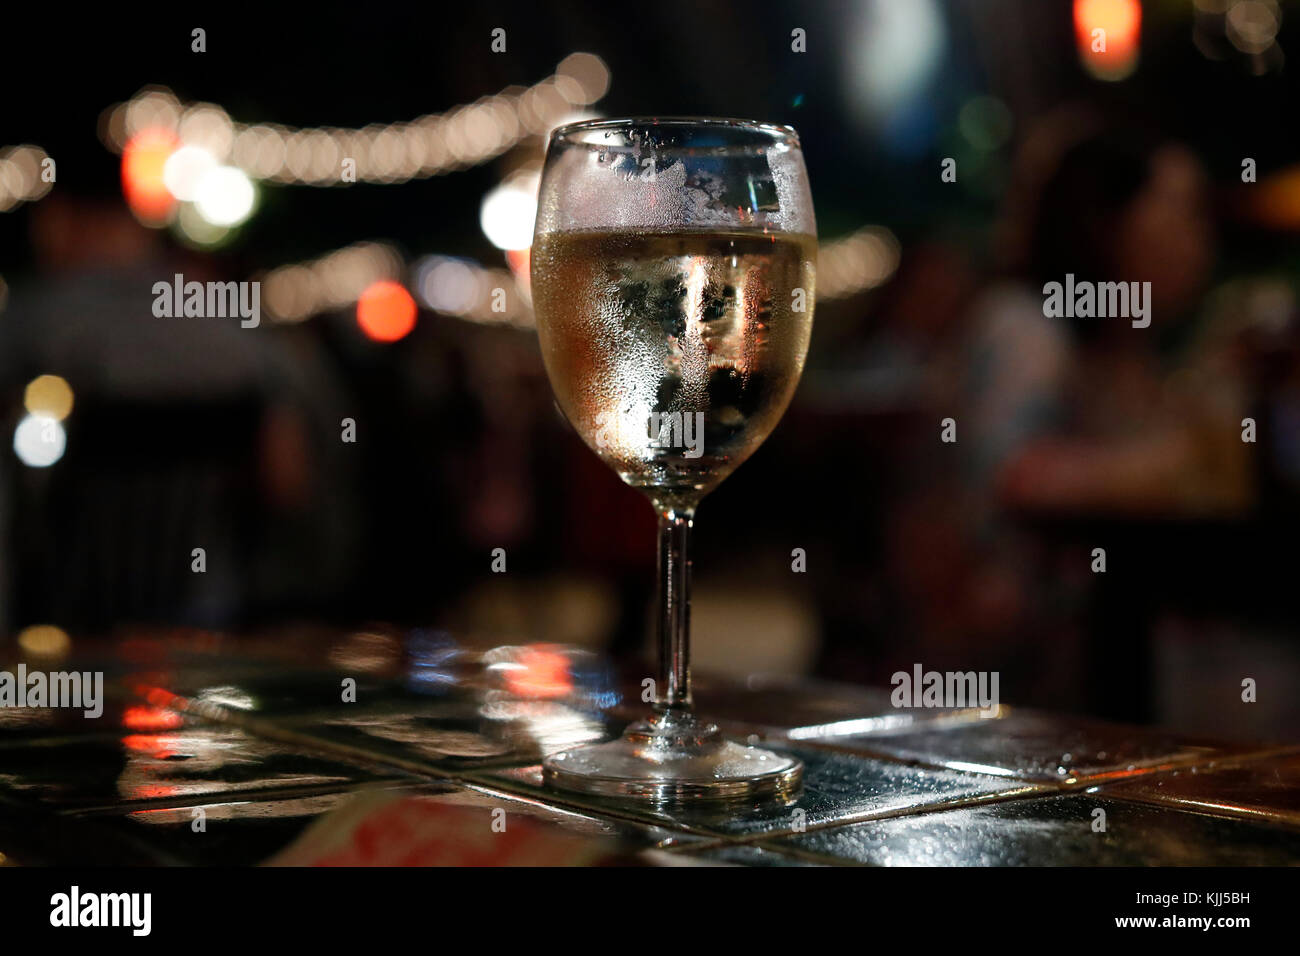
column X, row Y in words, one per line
column 674, row 691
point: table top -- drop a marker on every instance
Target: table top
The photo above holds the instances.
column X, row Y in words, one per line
column 415, row 747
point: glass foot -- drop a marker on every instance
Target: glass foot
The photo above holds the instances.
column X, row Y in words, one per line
column 675, row 757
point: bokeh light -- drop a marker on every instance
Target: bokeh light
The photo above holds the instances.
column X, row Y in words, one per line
column 429, row 145
column 39, row 441
column 143, row 160
column 21, row 176
column 335, row 280
column 509, row 212
column 589, row 72
column 892, row 49
column 386, row 312
column 1252, row 25
column 224, row 196
column 48, row 395
column 185, row 169
column 447, row 284
column 44, row 640
column 1120, row 23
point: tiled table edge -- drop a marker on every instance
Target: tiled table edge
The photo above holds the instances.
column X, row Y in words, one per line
column 701, row 839
column 1114, row 790
column 1289, row 821
column 482, row 779
column 216, row 798
column 1210, row 758
column 1106, row 789
column 478, row 778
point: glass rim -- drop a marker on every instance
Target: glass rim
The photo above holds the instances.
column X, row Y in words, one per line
column 785, row 133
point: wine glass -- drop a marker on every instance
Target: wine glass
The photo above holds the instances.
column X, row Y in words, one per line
column 673, row 274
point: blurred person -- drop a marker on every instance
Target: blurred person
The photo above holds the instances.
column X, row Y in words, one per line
column 1095, row 419
column 186, row 432
column 1061, row 420
column 1092, row 414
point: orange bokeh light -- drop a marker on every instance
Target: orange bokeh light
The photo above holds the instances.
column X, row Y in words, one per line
column 386, row 311
column 1121, row 24
column 143, row 159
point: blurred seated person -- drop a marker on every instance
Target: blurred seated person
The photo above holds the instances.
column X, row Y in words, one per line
column 185, row 433
column 1087, row 418
column 1097, row 414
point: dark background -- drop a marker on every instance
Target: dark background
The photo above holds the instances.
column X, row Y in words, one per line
column 460, row 451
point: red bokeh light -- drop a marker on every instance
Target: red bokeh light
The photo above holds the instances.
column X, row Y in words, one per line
column 143, row 159
column 1121, row 24
column 386, row 311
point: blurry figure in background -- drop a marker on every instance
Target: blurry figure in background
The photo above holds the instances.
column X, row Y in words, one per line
column 1087, row 414
column 186, row 433
column 1060, row 419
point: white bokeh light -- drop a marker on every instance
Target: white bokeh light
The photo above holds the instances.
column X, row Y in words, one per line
column 39, row 441
column 225, row 196
column 893, row 49
column 185, row 170
column 509, row 212
column 447, row 285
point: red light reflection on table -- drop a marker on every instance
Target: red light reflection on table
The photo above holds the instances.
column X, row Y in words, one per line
column 151, row 718
column 541, row 671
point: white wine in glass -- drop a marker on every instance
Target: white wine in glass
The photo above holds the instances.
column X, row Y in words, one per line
column 673, row 278
column 678, row 324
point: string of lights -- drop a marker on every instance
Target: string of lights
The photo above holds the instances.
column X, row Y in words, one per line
column 192, row 165
column 427, row 146
column 468, row 290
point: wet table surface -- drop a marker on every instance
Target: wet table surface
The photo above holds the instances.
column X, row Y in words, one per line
column 413, row 747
